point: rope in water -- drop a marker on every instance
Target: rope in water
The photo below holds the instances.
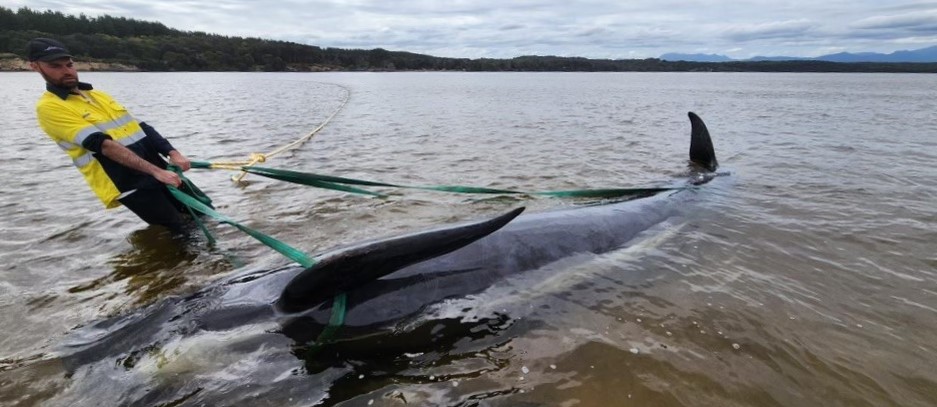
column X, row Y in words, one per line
column 342, row 184
column 256, row 158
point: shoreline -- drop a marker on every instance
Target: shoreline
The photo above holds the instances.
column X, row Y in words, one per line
column 21, row 65
column 14, row 63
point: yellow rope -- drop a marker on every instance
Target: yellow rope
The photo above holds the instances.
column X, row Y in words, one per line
column 256, row 158
column 228, row 165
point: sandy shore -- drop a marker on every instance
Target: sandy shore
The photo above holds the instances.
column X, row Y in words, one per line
column 8, row 63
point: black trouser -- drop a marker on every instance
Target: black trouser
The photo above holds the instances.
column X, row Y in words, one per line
column 157, row 206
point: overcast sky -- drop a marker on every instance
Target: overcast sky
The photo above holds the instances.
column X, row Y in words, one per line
column 616, row 29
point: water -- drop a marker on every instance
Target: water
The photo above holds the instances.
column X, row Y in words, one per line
column 811, row 279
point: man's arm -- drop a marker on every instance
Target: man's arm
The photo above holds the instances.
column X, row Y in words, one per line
column 161, row 145
column 122, row 155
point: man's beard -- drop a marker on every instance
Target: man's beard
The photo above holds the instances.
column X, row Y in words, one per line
column 67, row 82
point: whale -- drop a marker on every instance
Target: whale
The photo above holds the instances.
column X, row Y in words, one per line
column 385, row 282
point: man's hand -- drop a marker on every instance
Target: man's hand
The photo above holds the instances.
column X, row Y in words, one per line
column 168, row 178
column 177, row 158
column 115, row 151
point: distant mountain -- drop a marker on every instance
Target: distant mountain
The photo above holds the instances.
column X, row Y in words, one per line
column 928, row 54
column 761, row 58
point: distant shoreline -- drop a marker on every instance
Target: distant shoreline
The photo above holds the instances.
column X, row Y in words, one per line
column 14, row 63
column 21, row 65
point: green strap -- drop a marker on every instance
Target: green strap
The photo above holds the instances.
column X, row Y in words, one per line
column 338, row 303
column 606, row 192
column 201, row 226
column 196, row 200
column 341, row 184
column 189, row 187
column 282, row 248
column 332, row 182
column 193, row 191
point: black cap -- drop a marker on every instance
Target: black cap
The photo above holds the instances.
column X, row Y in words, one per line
column 46, row 49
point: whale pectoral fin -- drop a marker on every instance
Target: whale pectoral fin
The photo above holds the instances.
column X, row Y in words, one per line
column 352, row 267
column 701, row 145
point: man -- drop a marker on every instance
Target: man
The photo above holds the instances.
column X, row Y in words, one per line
column 118, row 156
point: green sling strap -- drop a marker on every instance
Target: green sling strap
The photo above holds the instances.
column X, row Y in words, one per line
column 196, row 200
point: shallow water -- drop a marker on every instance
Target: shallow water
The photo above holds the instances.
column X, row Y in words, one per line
column 810, row 278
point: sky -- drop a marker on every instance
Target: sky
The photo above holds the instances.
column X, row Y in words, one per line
column 613, row 29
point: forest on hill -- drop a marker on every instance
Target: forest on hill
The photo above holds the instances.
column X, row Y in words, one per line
column 151, row 46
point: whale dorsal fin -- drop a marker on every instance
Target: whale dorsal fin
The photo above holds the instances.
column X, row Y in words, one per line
column 701, row 145
column 351, row 267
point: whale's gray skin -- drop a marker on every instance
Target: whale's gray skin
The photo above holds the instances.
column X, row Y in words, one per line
column 393, row 279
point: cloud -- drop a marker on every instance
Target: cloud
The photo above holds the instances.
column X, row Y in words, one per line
column 504, row 29
column 922, row 22
column 771, row 30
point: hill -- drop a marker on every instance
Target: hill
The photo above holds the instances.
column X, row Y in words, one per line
column 695, row 57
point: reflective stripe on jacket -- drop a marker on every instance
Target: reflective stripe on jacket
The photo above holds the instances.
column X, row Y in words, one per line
column 71, row 120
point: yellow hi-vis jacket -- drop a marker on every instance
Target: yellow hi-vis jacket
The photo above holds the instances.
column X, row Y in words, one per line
column 70, row 118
